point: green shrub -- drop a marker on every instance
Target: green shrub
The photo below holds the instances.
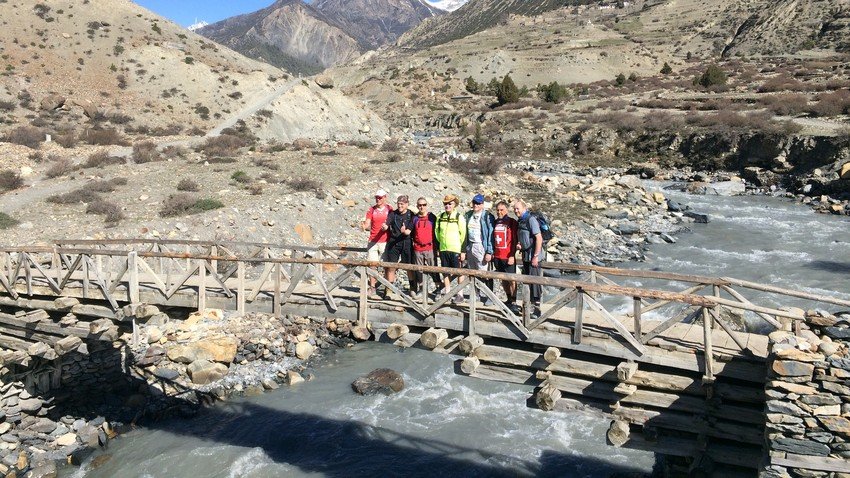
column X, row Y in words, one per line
column 712, row 76
column 187, row 185
column 620, row 80
column 472, row 86
column 182, row 204
column 553, row 92
column 666, row 69
column 240, row 177
column 10, row 180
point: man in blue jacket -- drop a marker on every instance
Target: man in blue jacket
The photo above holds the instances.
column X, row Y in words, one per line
column 478, row 247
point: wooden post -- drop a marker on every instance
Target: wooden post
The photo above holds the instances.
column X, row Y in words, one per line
column 469, row 364
column 424, row 291
column 637, row 317
column 133, row 281
column 202, row 285
column 432, row 337
column 56, row 265
column 276, row 306
column 473, row 301
column 715, row 291
column 547, row 396
column 213, row 262
column 240, row 288
column 396, row 331
column 526, row 305
column 577, row 330
column 618, row 433
column 707, row 320
column 85, row 266
column 468, row 345
column 552, row 354
column 363, row 308
column 27, row 273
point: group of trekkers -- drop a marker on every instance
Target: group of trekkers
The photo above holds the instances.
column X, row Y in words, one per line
column 475, row 239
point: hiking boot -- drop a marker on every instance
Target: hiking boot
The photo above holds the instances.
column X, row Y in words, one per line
column 486, row 301
column 373, row 294
column 514, row 308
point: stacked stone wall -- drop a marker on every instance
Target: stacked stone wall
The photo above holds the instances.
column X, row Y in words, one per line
column 808, row 400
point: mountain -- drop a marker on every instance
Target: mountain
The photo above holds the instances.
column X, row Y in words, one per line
column 447, row 5
column 374, row 23
column 307, row 38
column 127, row 66
column 476, row 16
column 289, row 34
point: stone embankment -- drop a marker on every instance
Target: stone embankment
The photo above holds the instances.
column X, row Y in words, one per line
column 71, row 382
column 808, row 400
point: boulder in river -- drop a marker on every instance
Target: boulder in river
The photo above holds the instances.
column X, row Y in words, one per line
column 697, row 217
column 382, row 380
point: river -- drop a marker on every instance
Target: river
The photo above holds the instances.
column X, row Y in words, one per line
column 448, row 425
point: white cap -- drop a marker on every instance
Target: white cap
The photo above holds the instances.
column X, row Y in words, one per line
column 380, row 193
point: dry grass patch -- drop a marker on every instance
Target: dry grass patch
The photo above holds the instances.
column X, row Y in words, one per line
column 146, row 152
column 60, row 167
column 10, row 180
column 182, row 204
column 28, row 136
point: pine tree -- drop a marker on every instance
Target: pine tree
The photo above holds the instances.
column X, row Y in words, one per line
column 507, row 91
column 666, row 70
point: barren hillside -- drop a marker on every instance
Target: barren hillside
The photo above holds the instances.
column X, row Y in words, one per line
column 116, row 62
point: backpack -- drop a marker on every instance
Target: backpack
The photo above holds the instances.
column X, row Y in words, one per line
column 545, row 229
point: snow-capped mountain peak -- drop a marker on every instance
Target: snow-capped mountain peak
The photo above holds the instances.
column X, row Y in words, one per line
column 446, row 5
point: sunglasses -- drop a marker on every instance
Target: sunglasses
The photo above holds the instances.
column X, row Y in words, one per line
column 421, row 205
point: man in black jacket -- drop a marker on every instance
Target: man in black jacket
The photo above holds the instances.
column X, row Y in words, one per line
column 400, row 244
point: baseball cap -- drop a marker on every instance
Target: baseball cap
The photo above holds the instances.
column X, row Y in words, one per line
column 380, row 193
column 478, row 199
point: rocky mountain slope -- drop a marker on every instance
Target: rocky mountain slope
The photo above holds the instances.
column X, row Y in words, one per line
column 307, row 38
column 476, row 16
column 114, row 61
column 289, row 34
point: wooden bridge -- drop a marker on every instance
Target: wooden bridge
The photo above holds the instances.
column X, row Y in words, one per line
column 674, row 374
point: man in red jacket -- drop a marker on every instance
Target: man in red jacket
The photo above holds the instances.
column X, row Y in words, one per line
column 376, row 223
column 505, row 239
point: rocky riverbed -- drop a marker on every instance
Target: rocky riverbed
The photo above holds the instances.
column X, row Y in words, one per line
column 168, row 366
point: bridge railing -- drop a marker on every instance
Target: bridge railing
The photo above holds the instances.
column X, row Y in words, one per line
column 121, row 271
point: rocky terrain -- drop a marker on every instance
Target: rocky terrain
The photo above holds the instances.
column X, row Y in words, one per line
column 174, row 366
column 112, row 67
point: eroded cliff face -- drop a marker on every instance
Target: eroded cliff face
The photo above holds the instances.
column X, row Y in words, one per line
column 374, row 23
column 298, row 31
column 308, row 38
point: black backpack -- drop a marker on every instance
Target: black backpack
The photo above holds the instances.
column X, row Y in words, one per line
column 545, row 229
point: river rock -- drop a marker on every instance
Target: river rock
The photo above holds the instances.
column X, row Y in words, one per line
column 845, row 171
column 800, row 447
column 293, row 377
column 304, row 350
column 698, row 217
column 30, row 405
column 204, row 371
column 787, row 368
column 45, row 469
column 382, row 380
column 66, row 439
column 214, row 349
column 154, row 334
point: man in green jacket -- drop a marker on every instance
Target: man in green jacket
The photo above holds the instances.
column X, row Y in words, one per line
column 451, row 235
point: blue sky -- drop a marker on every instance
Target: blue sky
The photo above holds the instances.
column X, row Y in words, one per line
column 186, row 12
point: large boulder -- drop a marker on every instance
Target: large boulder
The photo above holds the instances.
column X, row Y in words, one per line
column 325, row 81
column 382, row 380
column 203, row 371
column 213, row 349
column 52, row 102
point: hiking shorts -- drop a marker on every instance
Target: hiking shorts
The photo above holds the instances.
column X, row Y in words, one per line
column 400, row 252
column 449, row 259
column 376, row 251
